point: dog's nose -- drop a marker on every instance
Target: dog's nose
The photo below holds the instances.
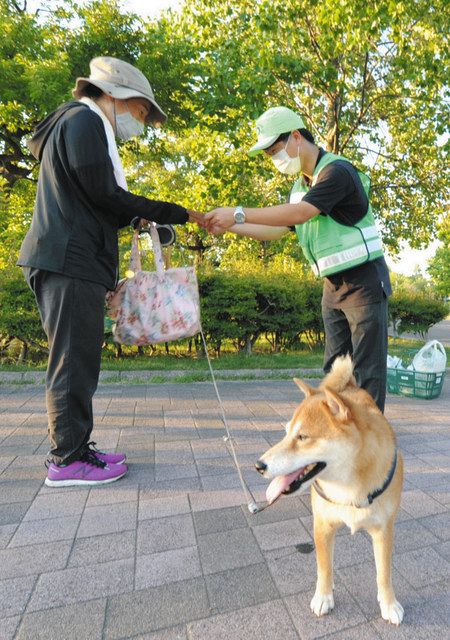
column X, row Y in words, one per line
column 260, row 466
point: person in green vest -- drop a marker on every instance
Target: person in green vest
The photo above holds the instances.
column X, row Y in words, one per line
column 330, row 211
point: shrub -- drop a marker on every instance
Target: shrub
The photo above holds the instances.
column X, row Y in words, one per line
column 409, row 312
column 19, row 316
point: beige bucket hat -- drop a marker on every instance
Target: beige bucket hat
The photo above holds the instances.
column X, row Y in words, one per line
column 120, row 80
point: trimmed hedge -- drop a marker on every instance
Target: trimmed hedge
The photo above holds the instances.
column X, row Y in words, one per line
column 242, row 308
column 238, row 308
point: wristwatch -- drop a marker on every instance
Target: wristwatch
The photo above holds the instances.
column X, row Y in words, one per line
column 239, row 215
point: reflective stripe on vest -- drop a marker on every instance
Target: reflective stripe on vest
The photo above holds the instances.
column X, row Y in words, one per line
column 330, row 246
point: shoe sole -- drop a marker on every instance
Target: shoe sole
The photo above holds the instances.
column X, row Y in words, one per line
column 74, row 481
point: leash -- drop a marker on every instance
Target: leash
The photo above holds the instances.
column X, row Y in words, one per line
column 251, row 502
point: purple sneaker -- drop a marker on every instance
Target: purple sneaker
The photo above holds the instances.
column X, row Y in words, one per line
column 108, row 458
column 87, row 471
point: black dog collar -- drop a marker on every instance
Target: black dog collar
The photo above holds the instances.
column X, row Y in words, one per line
column 371, row 497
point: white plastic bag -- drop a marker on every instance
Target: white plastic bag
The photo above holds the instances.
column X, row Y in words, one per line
column 394, row 362
column 430, row 359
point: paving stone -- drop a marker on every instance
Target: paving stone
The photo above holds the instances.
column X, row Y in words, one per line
column 228, row 549
column 103, row 548
column 8, row 628
column 14, row 595
column 34, row 558
column 175, row 469
column 291, row 570
column 281, row 534
column 80, row 584
column 285, row 508
column 361, row 632
column 439, row 525
column 37, row 531
column 108, row 518
column 421, row 622
column 216, row 520
column 167, row 566
column 13, row 512
column 268, row 620
column 56, row 505
column 5, row 461
column 241, row 587
column 74, row 622
column 443, row 548
column 422, row 544
column 152, row 609
column 6, row 533
column 412, row 535
column 204, row 500
column 422, row 566
column 360, row 580
column 175, row 633
column 162, row 534
column 418, row 504
column 110, row 494
column 346, row 613
column 18, row 490
column 170, row 487
column 161, row 507
column 215, row 449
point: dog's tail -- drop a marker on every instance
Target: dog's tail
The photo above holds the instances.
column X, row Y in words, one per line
column 340, row 376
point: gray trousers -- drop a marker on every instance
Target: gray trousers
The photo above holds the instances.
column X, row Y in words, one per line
column 363, row 333
column 72, row 313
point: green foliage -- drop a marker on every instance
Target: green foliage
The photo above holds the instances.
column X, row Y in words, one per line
column 19, row 317
column 409, row 312
column 364, row 76
column 439, row 266
column 243, row 307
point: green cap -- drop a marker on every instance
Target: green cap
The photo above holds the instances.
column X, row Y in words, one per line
column 272, row 124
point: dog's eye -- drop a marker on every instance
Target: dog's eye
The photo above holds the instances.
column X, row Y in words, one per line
column 301, row 436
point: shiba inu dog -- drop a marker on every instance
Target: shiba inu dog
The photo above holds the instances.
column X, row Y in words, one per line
column 339, row 443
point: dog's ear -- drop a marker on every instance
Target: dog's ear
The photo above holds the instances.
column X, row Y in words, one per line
column 304, row 388
column 336, row 405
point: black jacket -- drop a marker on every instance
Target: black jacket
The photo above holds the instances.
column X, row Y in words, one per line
column 79, row 205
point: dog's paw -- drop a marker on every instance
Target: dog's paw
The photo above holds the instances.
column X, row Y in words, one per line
column 392, row 612
column 322, row 603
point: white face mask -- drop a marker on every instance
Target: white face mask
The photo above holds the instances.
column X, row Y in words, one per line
column 127, row 126
column 284, row 163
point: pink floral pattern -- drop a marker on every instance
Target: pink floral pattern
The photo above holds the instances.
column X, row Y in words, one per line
column 153, row 307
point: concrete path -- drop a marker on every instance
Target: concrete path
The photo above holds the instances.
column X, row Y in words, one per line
column 171, row 552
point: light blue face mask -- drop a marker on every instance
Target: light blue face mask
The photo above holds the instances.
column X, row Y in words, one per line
column 127, row 126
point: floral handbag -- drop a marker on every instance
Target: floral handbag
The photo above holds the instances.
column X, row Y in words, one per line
column 154, row 306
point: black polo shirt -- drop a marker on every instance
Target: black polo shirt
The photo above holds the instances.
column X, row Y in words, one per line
column 339, row 193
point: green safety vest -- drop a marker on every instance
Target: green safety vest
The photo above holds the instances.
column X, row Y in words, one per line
column 329, row 246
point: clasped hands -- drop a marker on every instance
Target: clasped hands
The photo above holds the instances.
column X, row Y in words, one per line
column 216, row 221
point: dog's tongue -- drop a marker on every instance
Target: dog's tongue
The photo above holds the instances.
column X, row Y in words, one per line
column 280, row 484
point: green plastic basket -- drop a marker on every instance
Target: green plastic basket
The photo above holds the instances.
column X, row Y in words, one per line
column 414, row 383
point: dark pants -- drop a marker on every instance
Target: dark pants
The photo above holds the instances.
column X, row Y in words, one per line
column 363, row 333
column 72, row 314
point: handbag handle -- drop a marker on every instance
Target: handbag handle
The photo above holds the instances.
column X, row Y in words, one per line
column 157, row 251
column 135, row 258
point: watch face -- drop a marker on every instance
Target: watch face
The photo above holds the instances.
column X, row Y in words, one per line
column 239, row 217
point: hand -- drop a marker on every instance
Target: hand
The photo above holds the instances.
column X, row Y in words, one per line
column 220, row 218
column 197, row 217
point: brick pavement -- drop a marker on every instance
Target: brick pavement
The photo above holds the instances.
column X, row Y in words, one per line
column 171, row 553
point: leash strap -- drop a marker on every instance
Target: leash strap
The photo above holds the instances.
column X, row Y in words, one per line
column 252, row 507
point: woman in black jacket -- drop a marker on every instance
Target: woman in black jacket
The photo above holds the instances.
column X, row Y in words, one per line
column 70, row 253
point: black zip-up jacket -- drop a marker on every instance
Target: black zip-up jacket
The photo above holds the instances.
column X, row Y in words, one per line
column 79, row 205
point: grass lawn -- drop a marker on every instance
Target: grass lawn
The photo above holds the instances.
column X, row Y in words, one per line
column 178, row 359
